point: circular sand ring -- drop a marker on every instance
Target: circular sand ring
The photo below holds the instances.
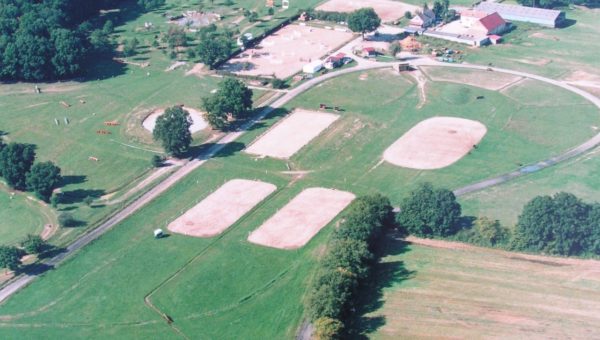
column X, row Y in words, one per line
column 198, row 122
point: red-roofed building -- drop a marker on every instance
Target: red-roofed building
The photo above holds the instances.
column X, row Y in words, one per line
column 486, row 24
column 334, row 61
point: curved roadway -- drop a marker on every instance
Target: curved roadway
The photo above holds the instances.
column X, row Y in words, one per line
column 201, row 158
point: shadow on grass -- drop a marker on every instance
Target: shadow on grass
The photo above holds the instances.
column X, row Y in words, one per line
column 35, row 268
column 67, row 180
column 384, row 275
column 204, row 151
column 79, row 195
column 51, row 252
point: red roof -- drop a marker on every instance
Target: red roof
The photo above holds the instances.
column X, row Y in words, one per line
column 369, row 49
column 495, row 37
column 492, row 21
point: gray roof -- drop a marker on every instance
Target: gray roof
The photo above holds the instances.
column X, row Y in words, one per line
column 516, row 10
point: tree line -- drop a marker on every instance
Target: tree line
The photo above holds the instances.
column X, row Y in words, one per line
column 49, row 39
column 347, row 265
column 559, row 225
column 19, row 170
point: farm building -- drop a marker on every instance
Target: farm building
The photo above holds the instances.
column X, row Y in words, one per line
column 334, row 61
column 541, row 16
column 423, row 19
column 483, row 23
column 369, row 52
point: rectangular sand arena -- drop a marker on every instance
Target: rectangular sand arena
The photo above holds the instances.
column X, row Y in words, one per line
column 291, row 134
column 435, row 143
column 301, row 219
column 222, row 208
column 286, row 51
column 387, row 10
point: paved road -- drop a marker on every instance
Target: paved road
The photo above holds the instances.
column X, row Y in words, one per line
column 363, row 65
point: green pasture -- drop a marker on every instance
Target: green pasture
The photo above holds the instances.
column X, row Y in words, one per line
column 383, row 107
column 222, row 287
column 226, row 287
column 505, row 202
column 20, row 216
column 552, row 52
column 421, row 292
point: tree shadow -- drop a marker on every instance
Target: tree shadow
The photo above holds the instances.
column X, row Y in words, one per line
column 384, row 275
column 35, row 268
column 465, row 223
column 276, row 113
column 78, row 195
column 51, row 252
column 67, row 180
column 566, row 23
column 202, row 152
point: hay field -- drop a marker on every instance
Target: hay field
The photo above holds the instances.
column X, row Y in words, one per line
column 458, row 291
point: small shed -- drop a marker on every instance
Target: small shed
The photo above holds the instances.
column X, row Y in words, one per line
column 369, row 52
column 313, row 67
column 158, row 233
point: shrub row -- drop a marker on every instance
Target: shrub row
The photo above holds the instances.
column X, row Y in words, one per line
column 347, row 264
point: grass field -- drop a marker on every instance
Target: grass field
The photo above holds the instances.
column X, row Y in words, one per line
column 209, row 287
column 551, row 52
column 519, row 132
column 505, row 202
column 108, row 92
column 459, row 291
column 20, row 216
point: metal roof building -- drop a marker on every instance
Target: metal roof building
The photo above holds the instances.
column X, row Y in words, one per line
column 541, row 16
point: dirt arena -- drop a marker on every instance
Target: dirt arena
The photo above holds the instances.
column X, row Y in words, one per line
column 198, row 122
column 387, row 10
column 301, row 219
column 435, row 143
column 291, row 134
column 286, row 51
column 222, row 208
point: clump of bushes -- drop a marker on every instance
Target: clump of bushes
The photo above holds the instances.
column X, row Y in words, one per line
column 347, row 264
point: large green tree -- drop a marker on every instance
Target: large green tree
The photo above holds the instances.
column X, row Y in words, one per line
column 429, row 211
column 10, row 257
column 42, row 179
column 558, row 225
column 214, row 49
column 363, row 20
column 46, row 39
column 173, row 130
column 33, row 244
column 232, row 101
column 16, row 160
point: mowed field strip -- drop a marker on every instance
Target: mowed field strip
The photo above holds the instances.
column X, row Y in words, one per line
column 386, row 9
column 286, row 51
column 222, row 208
column 435, row 143
column 450, row 290
column 302, row 218
column 294, row 132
